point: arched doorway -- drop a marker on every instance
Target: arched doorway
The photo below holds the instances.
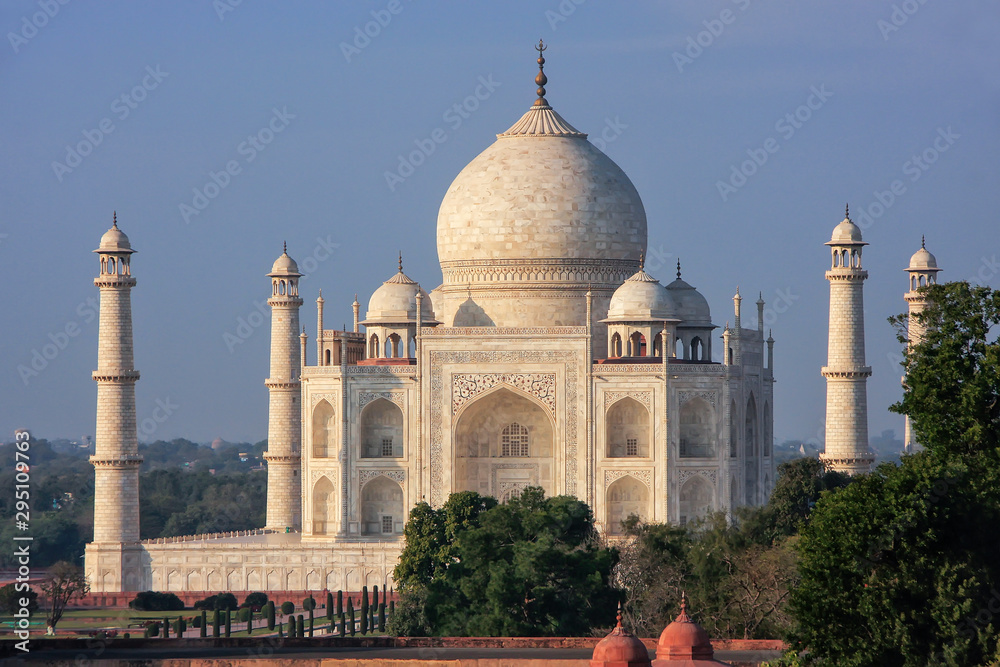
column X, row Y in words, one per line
column 382, row 507
column 627, row 429
column 696, row 499
column 324, row 428
column 381, row 430
column 626, row 497
column 324, row 504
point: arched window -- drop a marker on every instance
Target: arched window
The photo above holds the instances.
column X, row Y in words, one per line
column 627, row 429
column 326, row 355
column 658, row 345
column 616, row 346
column 696, row 499
column 836, row 259
column 373, row 349
column 324, row 506
column 637, row 345
column 734, row 433
column 625, row 497
column 679, row 348
column 382, row 507
column 324, row 429
column 381, row 430
column 696, row 349
column 514, row 440
column 696, row 432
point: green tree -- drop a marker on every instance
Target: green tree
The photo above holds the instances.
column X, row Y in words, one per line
column 12, row 595
column 255, row 601
column 532, row 566
column 62, row 584
column 900, row 568
column 952, row 391
column 799, row 484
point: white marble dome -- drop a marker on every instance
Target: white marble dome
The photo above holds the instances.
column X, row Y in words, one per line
column 923, row 260
column 641, row 298
column 846, row 233
column 692, row 307
column 284, row 266
column 115, row 240
column 540, row 192
column 396, row 302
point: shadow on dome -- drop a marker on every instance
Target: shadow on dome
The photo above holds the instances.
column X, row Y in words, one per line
column 471, row 314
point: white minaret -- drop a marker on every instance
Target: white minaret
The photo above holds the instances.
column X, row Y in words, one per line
column 112, row 562
column 845, row 372
column 284, row 423
column 923, row 270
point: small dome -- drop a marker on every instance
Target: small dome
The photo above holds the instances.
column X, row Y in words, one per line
column 923, row 260
column 114, row 240
column 846, row 232
column 284, row 266
column 396, row 301
column 620, row 648
column 641, row 298
column 684, row 639
column 692, row 307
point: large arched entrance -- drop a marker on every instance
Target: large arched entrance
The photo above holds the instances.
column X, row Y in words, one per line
column 626, row 497
column 503, row 440
column 382, row 507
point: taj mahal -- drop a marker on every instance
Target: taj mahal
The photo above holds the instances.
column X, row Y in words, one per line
column 547, row 357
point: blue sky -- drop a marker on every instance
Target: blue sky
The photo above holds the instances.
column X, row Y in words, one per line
column 832, row 102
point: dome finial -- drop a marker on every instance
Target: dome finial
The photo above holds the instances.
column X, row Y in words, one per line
column 541, row 79
column 284, row 247
column 619, row 616
column 678, row 268
column 642, row 260
column 114, row 224
column 400, row 261
column 847, row 211
column 922, row 242
column 684, row 605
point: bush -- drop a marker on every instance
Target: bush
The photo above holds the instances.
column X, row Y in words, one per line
column 153, row 601
column 226, row 601
column 196, row 622
column 127, row 635
column 255, row 601
column 243, row 615
column 270, row 615
column 287, row 608
column 309, row 603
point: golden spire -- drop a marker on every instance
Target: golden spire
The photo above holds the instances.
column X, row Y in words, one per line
column 541, row 79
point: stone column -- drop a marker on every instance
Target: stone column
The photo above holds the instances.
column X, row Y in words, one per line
column 284, row 424
column 846, row 373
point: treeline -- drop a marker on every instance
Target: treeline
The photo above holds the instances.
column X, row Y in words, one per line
column 175, row 499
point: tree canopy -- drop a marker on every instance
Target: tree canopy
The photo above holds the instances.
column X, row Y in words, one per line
column 531, row 566
column 952, row 388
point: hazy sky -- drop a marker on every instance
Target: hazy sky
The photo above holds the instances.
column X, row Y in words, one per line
column 136, row 107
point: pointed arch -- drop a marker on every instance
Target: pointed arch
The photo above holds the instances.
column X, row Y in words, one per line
column 324, row 429
column 374, row 352
column 382, row 507
column 734, row 432
column 626, row 497
column 381, row 430
column 626, row 429
column 696, row 499
column 768, row 435
column 324, row 507
column 697, row 432
column 616, row 345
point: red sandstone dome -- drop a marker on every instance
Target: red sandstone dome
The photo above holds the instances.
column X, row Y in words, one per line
column 684, row 642
column 620, row 649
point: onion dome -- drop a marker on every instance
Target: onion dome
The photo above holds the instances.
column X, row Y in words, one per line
column 284, row 266
column 684, row 640
column 923, row 260
column 114, row 240
column 396, row 301
column 692, row 307
column 620, row 649
column 846, row 233
column 641, row 298
column 540, row 205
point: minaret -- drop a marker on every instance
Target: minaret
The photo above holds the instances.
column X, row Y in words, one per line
column 116, row 457
column 923, row 270
column 846, row 373
column 284, row 423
